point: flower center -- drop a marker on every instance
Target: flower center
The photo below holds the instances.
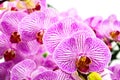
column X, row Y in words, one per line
column 83, row 63
column 114, row 34
column 39, row 36
column 15, row 37
column 9, row 55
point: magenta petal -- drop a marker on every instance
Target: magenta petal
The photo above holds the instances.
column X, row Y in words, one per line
column 10, row 21
column 22, row 70
column 94, row 21
column 98, row 52
column 34, row 47
column 61, row 75
column 80, row 38
column 65, row 55
column 62, row 30
column 38, row 71
column 51, row 17
column 7, row 26
column 4, row 70
column 47, row 75
column 23, row 47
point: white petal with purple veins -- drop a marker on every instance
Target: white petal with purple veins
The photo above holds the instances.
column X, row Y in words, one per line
column 22, row 70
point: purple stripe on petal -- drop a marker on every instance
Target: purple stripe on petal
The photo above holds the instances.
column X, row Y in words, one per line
column 80, row 38
column 22, row 70
column 7, row 28
column 23, row 47
column 65, row 55
column 4, row 70
column 62, row 30
column 47, row 75
column 98, row 52
column 51, row 17
column 61, row 75
column 10, row 21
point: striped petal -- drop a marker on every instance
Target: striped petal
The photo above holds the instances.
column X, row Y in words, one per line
column 62, row 30
column 98, row 52
column 47, row 75
column 80, row 38
column 51, row 17
column 22, row 70
column 10, row 20
column 65, row 55
column 29, row 47
column 63, row 75
column 30, row 25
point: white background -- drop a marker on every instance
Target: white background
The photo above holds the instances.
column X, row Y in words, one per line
column 87, row 8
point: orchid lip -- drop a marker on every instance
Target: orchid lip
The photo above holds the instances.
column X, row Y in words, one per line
column 9, row 54
column 39, row 36
column 83, row 63
column 15, row 37
column 114, row 34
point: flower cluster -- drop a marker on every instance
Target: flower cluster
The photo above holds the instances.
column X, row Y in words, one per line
column 39, row 43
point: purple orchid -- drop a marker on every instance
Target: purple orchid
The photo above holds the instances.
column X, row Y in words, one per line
column 110, row 28
column 9, row 21
column 35, row 24
column 82, row 52
column 8, row 51
column 10, row 36
column 61, row 30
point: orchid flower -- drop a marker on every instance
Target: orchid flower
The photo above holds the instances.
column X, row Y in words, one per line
column 82, row 52
column 35, row 25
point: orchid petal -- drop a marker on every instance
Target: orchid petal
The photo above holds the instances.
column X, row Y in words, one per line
column 22, row 70
column 47, row 75
column 98, row 52
column 10, row 21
